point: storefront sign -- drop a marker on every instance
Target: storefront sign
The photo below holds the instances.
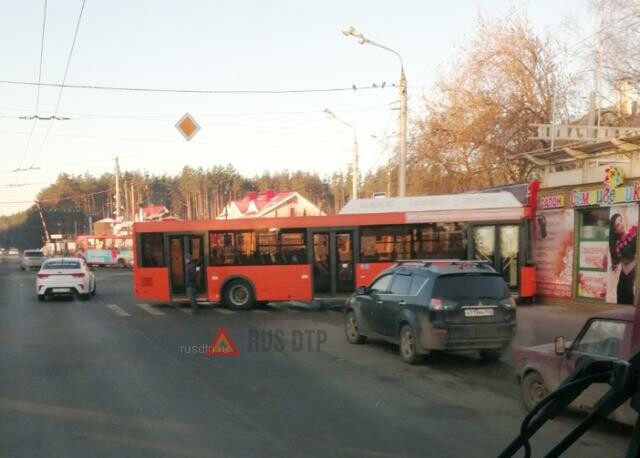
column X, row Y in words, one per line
column 613, row 177
column 605, row 196
column 548, row 202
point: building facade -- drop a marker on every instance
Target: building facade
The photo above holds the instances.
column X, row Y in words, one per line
column 587, row 215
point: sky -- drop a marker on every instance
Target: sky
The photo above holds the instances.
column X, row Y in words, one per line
column 228, row 46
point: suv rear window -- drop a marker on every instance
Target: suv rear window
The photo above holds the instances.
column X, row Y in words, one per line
column 61, row 265
column 470, row 286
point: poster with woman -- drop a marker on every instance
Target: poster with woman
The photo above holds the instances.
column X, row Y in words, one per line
column 623, row 231
column 554, row 253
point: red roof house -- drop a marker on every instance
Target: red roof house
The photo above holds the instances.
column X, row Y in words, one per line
column 270, row 203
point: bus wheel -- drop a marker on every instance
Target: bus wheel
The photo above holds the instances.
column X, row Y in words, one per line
column 239, row 295
column 122, row 263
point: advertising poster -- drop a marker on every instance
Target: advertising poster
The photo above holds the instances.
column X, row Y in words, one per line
column 592, row 284
column 594, row 255
column 554, row 253
column 621, row 254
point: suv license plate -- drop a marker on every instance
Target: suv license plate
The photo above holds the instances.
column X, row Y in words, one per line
column 478, row 312
column 60, row 290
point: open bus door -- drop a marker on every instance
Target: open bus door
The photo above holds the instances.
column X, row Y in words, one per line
column 179, row 246
column 333, row 261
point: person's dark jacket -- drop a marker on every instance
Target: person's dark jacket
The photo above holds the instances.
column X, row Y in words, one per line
column 191, row 274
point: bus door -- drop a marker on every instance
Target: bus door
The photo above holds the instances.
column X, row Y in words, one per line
column 333, row 262
column 179, row 247
column 499, row 245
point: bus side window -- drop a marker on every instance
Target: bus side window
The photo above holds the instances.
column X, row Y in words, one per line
column 152, row 250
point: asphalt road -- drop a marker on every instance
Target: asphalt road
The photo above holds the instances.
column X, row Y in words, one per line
column 109, row 377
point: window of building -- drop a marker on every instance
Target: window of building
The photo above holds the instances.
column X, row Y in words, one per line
column 151, row 250
column 593, row 246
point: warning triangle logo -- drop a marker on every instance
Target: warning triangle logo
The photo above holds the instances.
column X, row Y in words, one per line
column 222, row 345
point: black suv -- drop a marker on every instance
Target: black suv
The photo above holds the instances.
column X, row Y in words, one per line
column 435, row 305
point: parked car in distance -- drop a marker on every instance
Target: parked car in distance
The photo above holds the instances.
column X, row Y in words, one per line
column 542, row 368
column 13, row 252
column 31, row 259
column 434, row 305
column 65, row 277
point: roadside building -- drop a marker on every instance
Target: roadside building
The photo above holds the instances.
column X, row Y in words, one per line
column 270, row 204
column 587, row 219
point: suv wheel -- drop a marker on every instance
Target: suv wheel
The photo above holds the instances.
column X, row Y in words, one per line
column 534, row 389
column 351, row 329
column 408, row 345
column 490, row 355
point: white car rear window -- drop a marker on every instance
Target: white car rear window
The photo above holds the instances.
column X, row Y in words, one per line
column 61, row 265
column 34, row 254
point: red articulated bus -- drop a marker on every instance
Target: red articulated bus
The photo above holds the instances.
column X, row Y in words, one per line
column 256, row 260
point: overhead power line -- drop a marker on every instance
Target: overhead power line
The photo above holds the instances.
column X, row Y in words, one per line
column 58, row 199
column 198, row 91
column 33, row 125
column 64, row 80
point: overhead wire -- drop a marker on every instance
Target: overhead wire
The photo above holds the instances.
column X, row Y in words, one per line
column 35, row 120
column 197, row 91
column 57, row 199
column 64, row 79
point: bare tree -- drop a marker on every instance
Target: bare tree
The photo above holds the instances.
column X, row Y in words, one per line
column 478, row 119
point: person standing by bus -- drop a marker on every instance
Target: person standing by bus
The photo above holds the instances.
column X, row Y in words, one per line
column 191, row 283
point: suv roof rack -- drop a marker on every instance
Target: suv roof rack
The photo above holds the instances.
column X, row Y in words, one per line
column 480, row 264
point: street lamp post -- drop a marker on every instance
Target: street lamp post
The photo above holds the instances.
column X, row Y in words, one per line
column 402, row 153
column 354, row 165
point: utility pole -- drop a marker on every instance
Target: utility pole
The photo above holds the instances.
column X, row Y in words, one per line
column 44, row 224
column 402, row 172
column 354, row 169
column 402, row 153
column 354, row 172
column 133, row 203
column 117, row 212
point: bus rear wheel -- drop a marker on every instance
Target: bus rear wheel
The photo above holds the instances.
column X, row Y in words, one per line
column 239, row 295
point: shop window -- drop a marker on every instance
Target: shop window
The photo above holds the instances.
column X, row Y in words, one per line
column 593, row 246
column 595, row 224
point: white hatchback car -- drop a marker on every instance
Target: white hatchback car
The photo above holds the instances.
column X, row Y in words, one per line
column 65, row 277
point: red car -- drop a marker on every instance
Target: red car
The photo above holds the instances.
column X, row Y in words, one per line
column 541, row 369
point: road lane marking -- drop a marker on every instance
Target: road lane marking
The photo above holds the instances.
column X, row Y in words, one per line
column 186, row 310
column 262, row 312
column 117, row 310
column 224, row 311
column 147, row 308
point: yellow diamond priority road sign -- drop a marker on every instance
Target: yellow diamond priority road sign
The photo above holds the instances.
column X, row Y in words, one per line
column 188, row 126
